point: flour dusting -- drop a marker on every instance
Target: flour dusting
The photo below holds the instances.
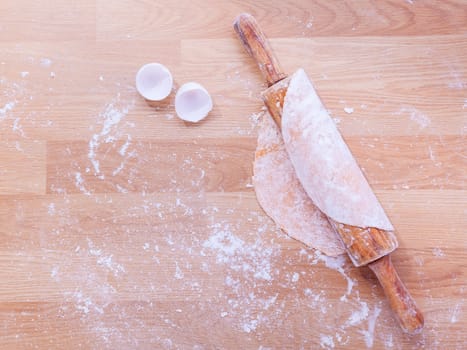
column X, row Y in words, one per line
column 178, row 272
column 359, row 315
column 109, row 119
column 54, row 272
column 348, row 110
column 125, row 146
column 295, row 277
column 416, row 116
column 85, row 304
column 250, row 258
column 456, row 312
column 51, row 209
column 79, row 182
column 456, row 82
column 338, row 263
column 6, row 108
column 326, row 341
column 305, row 25
column 438, row 252
column 369, row 334
column 107, row 261
column 45, row 62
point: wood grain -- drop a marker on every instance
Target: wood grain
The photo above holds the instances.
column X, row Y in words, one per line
column 158, row 256
column 257, row 45
column 284, row 19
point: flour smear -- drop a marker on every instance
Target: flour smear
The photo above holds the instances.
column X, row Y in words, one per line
column 109, row 119
column 415, row 115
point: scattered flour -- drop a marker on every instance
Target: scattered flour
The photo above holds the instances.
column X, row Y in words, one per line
column 45, row 62
column 17, row 128
column 326, row 341
column 337, row 263
column 178, row 272
column 348, row 110
column 6, row 108
column 250, row 258
column 359, row 315
column 438, row 252
column 456, row 82
column 85, row 304
column 125, row 146
column 431, row 153
column 389, row 342
column 107, row 261
column 305, row 24
column 369, row 334
column 109, row 118
column 456, row 312
column 51, row 209
column 360, row 310
column 79, row 182
column 416, row 116
column 256, row 117
column 54, row 272
column 254, row 122
column 249, row 264
column 295, row 277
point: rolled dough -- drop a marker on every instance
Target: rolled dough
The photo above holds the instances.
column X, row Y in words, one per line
column 323, row 162
column 283, row 198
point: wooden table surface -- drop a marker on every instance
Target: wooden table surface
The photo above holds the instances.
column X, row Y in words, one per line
column 124, row 227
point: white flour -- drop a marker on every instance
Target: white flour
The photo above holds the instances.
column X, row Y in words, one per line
column 109, row 118
column 416, row 116
column 45, row 62
column 369, row 333
column 456, row 81
column 79, row 181
column 456, row 312
column 252, row 259
column 6, row 108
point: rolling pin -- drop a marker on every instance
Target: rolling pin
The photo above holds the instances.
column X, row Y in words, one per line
column 368, row 246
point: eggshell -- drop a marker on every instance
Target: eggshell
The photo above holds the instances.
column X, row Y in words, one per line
column 192, row 102
column 154, row 81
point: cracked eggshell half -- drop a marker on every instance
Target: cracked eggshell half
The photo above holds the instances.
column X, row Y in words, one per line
column 192, row 102
column 154, row 81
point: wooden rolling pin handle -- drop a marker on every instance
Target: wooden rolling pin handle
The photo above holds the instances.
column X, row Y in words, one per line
column 258, row 47
column 409, row 316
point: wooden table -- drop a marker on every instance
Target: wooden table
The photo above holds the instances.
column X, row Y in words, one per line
column 124, row 227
